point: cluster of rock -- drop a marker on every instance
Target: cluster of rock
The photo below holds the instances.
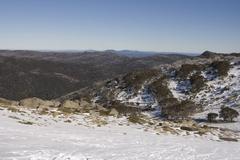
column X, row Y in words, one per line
column 53, row 106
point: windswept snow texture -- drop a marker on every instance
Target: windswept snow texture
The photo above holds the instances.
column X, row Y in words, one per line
column 67, row 141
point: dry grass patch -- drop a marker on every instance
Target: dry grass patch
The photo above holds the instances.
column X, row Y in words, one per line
column 13, row 109
column 137, row 118
column 104, row 113
column 166, row 128
column 99, row 121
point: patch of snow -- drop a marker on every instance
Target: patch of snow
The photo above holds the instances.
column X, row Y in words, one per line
column 122, row 96
column 179, row 88
column 209, row 74
column 143, row 99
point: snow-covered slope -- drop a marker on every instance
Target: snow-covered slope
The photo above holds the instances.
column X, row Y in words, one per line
column 218, row 90
column 221, row 91
column 69, row 141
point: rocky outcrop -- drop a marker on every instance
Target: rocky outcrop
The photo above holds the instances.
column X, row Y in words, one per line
column 4, row 101
column 114, row 112
column 38, row 103
column 70, row 104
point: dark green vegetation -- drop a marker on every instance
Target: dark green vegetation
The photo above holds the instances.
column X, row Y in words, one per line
column 160, row 89
column 137, row 78
column 50, row 75
column 222, row 67
column 228, row 114
column 211, row 117
column 179, row 111
column 197, row 82
column 186, row 69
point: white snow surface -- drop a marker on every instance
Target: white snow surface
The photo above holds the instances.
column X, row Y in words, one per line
column 50, row 140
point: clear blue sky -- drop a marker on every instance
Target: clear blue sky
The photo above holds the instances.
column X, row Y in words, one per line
column 156, row 25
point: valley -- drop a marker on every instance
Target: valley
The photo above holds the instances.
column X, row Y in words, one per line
column 187, row 109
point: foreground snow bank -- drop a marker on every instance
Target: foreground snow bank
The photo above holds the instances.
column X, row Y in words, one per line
column 67, row 141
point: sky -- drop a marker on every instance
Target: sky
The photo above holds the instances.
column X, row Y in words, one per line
column 148, row 25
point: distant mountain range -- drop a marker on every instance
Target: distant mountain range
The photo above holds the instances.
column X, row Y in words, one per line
column 129, row 53
column 132, row 53
column 51, row 74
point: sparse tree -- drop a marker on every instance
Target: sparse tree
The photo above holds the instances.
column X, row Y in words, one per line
column 179, row 111
column 228, row 114
column 211, row 117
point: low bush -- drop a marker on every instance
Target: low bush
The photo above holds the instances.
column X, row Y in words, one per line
column 222, row 67
column 228, row 139
column 104, row 113
column 26, row 122
column 124, row 109
column 211, row 117
column 136, row 79
column 186, row 69
column 169, row 101
column 197, row 82
column 160, row 89
column 188, row 128
column 136, row 118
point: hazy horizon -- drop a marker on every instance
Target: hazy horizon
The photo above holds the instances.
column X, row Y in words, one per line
column 93, row 50
column 142, row 25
